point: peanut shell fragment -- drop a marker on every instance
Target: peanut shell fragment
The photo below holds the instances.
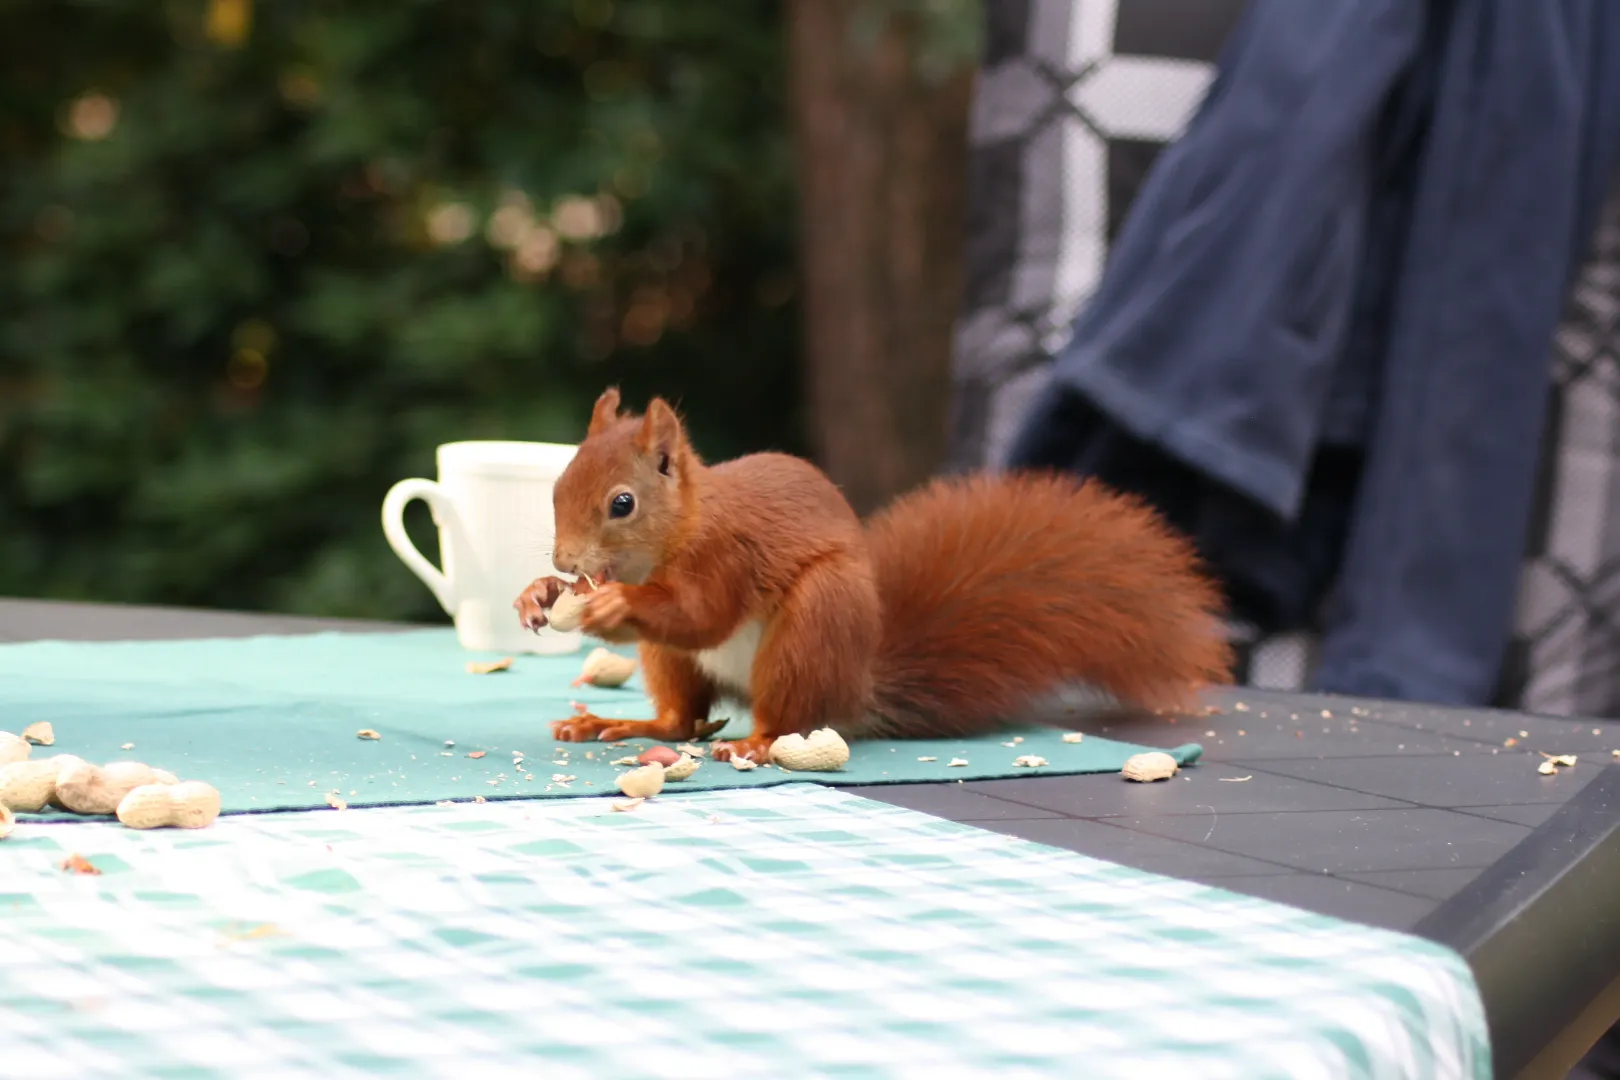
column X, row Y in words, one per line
column 567, row 612
column 14, row 748
column 642, row 783
column 823, row 750
column 1148, row 767
column 191, row 805
column 682, row 769
column 606, row 668
column 27, row 786
column 98, row 789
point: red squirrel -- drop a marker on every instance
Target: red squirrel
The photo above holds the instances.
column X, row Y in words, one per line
column 946, row 614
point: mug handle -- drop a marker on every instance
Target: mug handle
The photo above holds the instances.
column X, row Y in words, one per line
column 393, row 523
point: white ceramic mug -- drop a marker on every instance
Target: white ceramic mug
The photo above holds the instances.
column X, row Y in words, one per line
column 492, row 504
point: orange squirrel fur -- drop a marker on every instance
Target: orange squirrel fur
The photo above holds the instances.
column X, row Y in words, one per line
column 957, row 607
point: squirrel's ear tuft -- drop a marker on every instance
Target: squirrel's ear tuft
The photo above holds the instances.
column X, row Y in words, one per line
column 661, row 434
column 605, row 412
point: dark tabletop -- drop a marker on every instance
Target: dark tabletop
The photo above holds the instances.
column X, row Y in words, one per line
column 1427, row 820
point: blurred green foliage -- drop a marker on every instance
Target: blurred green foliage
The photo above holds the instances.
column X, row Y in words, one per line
column 259, row 259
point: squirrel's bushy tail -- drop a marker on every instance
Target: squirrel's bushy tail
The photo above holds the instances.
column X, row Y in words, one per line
column 999, row 590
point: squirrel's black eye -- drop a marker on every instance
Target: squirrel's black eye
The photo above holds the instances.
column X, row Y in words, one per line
column 622, row 505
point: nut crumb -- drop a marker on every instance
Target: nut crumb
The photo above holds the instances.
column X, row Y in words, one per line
column 1559, row 759
column 1240, row 707
column 956, row 763
column 336, row 801
column 626, row 805
column 127, row 746
column 1546, row 768
column 478, row 798
column 629, row 759
column 488, row 667
column 936, row 759
column 742, row 764
column 445, row 802
column 367, row 733
column 1235, row 779
column 682, row 769
column 692, row 749
column 563, row 778
column 1029, row 761
column 78, row 864
column 477, row 754
column 40, row 734
column 1073, row 736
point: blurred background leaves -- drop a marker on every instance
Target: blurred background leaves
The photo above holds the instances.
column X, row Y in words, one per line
column 259, row 259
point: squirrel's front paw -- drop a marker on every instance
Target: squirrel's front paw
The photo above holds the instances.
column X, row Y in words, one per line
column 534, row 601
column 756, row 748
column 585, row 726
column 607, row 610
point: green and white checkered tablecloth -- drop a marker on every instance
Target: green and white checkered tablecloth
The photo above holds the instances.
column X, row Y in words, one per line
column 783, row 932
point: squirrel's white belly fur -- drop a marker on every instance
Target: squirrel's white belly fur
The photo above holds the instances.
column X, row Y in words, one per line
column 731, row 664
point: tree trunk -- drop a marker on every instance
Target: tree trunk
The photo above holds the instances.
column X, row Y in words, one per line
column 882, row 163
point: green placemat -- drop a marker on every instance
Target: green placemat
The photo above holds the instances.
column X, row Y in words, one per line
column 272, row 722
column 800, row 932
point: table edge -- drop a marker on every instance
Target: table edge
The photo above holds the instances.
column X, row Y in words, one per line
column 1540, row 927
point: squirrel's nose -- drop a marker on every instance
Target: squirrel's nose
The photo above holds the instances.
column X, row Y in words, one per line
column 565, row 564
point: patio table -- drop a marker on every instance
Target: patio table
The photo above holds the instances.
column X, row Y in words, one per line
column 1426, row 820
